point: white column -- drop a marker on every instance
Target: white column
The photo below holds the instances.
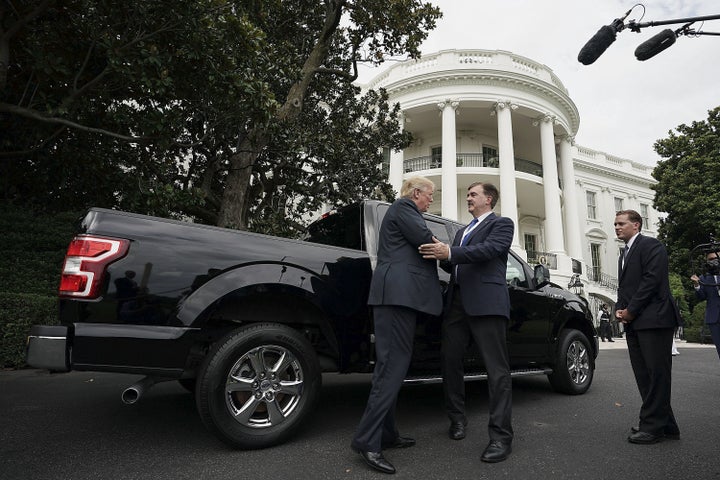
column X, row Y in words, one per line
column 395, row 175
column 506, row 153
column 449, row 160
column 572, row 216
column 553, row 218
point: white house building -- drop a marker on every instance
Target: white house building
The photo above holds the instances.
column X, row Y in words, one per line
column 494, row 116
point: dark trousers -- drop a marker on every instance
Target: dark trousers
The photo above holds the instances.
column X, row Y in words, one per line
column 394, row 332
column 605, row 330
column 489, row 333
column 651, row 360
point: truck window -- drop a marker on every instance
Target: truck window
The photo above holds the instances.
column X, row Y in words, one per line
column 515, row 274
column 439, row 230
column 341, row 228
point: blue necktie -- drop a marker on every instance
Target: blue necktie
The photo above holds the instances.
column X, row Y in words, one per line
column 467, row 231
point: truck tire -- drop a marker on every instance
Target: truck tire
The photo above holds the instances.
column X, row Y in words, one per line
column 257, row 385
column 573, row 372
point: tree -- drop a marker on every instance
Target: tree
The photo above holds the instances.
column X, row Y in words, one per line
column 222, row 110
column 687, row 188
column 102, row 101
column 324, row 54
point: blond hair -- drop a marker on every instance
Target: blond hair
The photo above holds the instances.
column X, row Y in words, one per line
column 409, row 185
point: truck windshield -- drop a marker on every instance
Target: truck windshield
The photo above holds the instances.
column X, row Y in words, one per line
column 341, row 228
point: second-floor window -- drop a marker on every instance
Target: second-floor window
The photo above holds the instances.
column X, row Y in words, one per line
column 591, row 200
column 644, row 214
column 618, row 204
column 490, row 157
column 436, row 157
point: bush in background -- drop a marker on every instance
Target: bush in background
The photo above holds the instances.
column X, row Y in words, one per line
column 33, row 246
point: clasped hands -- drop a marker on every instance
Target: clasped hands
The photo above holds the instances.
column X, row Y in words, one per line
column 436, row 250
column 624, row 315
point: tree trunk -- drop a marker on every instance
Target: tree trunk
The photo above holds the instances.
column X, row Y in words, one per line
column 235, row 201
column 234, row 206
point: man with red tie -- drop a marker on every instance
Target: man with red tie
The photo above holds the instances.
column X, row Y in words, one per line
column 478, row 307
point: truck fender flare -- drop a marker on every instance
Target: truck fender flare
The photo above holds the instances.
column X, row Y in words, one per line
column 243, row 276
column 252, row 274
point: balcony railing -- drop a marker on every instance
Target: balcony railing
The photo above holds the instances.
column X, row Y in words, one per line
column 522, row 165
column 471, row 160
column 594, row 274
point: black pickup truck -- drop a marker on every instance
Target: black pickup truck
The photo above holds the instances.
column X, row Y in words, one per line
column 249, row 322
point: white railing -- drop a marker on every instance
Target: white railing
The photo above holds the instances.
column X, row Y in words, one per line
column 467, row 60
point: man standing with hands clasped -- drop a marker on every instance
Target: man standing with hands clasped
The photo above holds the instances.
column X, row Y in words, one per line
column 478, row 306
column 649, row 314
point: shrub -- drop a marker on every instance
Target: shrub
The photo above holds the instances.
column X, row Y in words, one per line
column 20, row 311
column 33, row 245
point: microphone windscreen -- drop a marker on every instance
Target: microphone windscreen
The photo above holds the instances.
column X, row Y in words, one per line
column 597, row 45
column 655, row 45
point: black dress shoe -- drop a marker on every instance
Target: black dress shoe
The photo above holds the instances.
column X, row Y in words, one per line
column 400, row 442
column 456, row 430
column 496, row 451
column 670, row 435
column 376, row 461
column 644, row 438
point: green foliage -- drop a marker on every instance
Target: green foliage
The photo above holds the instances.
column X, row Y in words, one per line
column 692, row 334
column 679, row 293
column 105, row 100
column 697, row 318
column 20, row 311
column 687, row 188
column 33, row 245
column 141, row 107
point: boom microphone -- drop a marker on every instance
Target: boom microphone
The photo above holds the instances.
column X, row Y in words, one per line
column 655, row 45
column 597, row 45
column 601, row 40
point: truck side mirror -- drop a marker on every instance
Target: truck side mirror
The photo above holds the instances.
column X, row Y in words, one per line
column 541, row 274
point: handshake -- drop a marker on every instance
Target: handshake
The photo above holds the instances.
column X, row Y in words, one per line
column 436, row 250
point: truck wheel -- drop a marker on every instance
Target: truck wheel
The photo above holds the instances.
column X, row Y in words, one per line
column 573, row 372
column 257, row 385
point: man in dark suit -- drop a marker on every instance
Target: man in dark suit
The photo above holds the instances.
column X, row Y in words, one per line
column 707, row 287
column 649, row 313
column 478, row 307
column 403, row 285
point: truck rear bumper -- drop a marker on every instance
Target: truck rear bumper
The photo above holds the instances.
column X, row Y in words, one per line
column 47, row 348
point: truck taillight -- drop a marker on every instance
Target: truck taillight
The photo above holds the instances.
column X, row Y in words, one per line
column 85, row 263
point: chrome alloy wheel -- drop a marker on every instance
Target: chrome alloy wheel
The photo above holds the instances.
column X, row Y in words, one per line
column 264, row 387
column 578, row 362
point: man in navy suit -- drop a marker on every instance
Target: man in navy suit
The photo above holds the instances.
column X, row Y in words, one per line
column 478, row 307
column 403, row 285
column 707, row 287
column 649, row 313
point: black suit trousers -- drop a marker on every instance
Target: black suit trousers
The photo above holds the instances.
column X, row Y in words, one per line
column 651, row 360
column 489, row 333
column 394, row 333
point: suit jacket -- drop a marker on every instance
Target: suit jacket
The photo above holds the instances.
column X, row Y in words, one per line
column 709, row 293
column 402, row 277
column 481, row 267
column 644, row 286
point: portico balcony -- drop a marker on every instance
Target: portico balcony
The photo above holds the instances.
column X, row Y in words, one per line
column 469, row 160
